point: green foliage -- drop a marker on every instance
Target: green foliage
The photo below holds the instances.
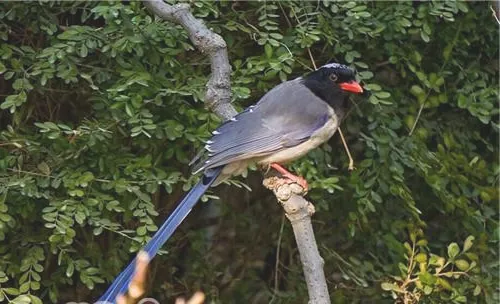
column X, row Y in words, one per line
column 102, row 111
column 431, row 280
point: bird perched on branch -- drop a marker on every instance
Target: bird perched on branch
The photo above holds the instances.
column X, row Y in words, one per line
column 289, row 121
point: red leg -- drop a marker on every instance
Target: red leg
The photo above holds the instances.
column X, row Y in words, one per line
column 290, row 177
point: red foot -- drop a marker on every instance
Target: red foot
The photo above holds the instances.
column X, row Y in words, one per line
column 290, row 178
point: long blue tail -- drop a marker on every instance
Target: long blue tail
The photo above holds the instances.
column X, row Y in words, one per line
column 120, row 285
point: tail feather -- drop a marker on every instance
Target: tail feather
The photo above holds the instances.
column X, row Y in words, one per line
column 121, row 283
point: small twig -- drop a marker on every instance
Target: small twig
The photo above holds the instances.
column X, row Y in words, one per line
column 495, row 14
column 95, row 179
column 439, row 73
column 410, row 266
column 284, row 14
column 381, row 64
column 312, row 58
column 277, row 263
column 304, row 65
column 419, row 113
column 351, row 161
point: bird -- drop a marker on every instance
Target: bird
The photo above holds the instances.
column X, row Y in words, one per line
column 290, row 120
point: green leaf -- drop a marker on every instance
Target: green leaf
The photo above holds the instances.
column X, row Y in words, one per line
column 427, row 278
column 444, row 283
column 373, row 87
column 463, row 265
column 365, row 75
column 468, row 242
column 22, row 299
column 84, row 51
column 439, row 82
column 416, row 90
column 388, row 286
column 404, row 22
column 422, row 243
column 349, row 57
column 35, row 285
column 276, row 36
column 44, row 168
column 22, row 84
column 477, row 290
column 9, row 75
column 13, row 101
column 421, row 257
column 11, row 291
column 427, row 290
column 35, row 299
column 383, row 94
column 24, row 287
column 425, row 37
column 141, row 231
column 268, row 50
column 453, row 250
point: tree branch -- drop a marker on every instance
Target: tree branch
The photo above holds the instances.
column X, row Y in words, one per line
column 217, row 99
column 218, row 95
column 299, row 212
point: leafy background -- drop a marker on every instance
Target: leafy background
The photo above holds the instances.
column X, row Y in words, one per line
column 102, row 109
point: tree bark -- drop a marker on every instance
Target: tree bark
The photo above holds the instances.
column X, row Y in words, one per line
column 299, row 212
column 218, row 95
column 218, row 99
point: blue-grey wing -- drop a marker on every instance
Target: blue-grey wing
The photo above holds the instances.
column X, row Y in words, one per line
column 285, row 117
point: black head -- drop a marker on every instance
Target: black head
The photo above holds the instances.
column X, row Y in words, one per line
column 333, row 83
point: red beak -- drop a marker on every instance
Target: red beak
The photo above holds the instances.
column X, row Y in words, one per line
column 352, row 86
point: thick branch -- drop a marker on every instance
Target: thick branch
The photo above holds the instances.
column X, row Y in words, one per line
column 218, row 95
column 299, row 212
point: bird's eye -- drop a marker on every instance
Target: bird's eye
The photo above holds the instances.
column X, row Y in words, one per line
column 333, row 77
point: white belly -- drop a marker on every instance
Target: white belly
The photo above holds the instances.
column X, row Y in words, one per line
column 293, row 153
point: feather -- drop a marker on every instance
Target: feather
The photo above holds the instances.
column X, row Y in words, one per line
column 121, row 283
column 286, row 116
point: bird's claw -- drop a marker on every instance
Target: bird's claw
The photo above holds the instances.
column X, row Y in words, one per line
column 289, row 178
column 294, row 179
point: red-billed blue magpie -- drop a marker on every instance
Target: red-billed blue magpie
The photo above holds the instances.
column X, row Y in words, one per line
column 287, row 122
